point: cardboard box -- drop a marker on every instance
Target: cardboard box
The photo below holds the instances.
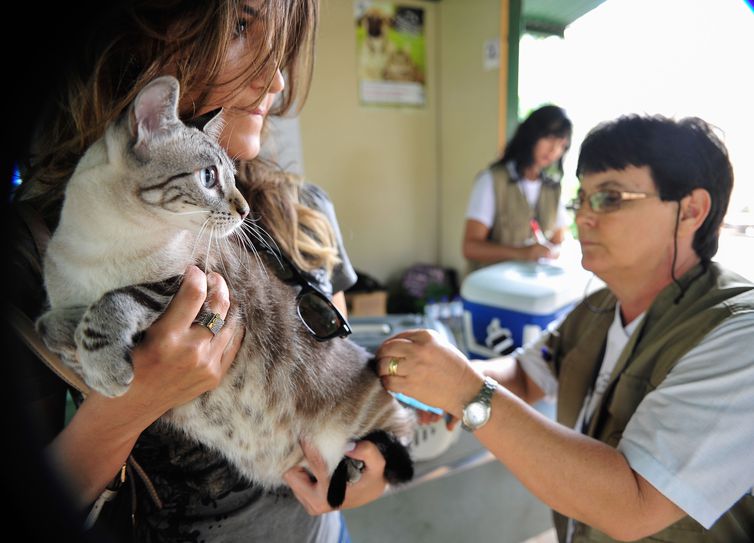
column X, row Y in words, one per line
column 366, row 304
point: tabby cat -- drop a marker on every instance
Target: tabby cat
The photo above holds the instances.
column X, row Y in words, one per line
column 152, row 196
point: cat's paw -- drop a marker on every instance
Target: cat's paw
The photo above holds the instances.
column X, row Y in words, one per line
column 399, row 466
column 108, row 371
column 57, row 328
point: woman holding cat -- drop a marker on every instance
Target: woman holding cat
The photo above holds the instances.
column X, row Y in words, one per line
column 228, row 55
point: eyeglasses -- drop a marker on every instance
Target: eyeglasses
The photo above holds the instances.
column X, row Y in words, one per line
column 320, row 316
column 606, row 201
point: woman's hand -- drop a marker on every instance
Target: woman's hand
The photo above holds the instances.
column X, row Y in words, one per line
column 313, row 494
column 427, row 417
column 178, row 359
column 536, row 251
column 428, row 369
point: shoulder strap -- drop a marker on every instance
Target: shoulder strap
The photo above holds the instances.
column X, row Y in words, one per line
column 21, row 323
column 25, row 329
column 40, row 233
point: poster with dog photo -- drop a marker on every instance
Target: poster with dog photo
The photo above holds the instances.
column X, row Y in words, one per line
column 390, row 54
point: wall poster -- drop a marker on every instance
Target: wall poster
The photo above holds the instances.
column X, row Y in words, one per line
column 390, row 54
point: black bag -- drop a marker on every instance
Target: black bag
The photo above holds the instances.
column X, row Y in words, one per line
column 115, row 517
column 421, row 284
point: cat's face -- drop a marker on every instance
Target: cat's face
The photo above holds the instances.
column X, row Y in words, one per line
column 181, row 174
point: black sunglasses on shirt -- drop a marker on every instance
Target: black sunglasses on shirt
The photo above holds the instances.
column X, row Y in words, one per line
column 320, row 316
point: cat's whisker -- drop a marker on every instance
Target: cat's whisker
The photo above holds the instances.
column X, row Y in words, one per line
column 252, row 231
column 209, row 248
column 197, row 212
column 224, row 248
column 243, row 243
column 203, row 230
column 258, row 259
column 264, row 238
column 267, row 241
column 198, row 238
column 256, row 232
column 247, row 231
column 241, row 234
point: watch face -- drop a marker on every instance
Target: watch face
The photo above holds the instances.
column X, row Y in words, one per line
column 476, row 413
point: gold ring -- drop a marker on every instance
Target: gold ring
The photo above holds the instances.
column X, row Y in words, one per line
column 213, row 322
column 392, row 367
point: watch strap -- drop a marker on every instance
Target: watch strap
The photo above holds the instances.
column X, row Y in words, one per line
column 485, row 397
column 485, row 394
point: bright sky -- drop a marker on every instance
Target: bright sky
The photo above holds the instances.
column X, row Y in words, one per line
column 674, row 57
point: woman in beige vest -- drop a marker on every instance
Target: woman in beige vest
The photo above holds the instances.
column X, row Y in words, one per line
column 523, row 185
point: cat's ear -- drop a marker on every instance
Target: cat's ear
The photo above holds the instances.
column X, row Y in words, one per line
column 214, row 126
column 154, row 111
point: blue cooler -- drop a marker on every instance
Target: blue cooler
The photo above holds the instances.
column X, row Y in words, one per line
column 508, row 304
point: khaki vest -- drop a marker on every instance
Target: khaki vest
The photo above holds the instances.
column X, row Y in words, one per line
column 511, row 226
column 668, row 331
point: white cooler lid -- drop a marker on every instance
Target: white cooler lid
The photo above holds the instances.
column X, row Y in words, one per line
column 529, row 287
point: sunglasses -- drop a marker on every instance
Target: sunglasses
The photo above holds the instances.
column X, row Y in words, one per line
column 606, row 201
column 320, row 316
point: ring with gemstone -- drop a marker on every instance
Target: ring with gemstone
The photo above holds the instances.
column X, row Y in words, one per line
column 212, row 321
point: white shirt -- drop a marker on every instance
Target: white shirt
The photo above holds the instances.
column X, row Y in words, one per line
column 482, row 200
column 617, row 338
column 692, row 438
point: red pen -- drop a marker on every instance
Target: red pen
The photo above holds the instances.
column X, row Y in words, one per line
column 538, row 235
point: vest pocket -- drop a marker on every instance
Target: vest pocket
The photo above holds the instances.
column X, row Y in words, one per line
column 626, row 397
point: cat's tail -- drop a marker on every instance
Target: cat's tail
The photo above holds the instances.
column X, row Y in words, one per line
column 399, row 467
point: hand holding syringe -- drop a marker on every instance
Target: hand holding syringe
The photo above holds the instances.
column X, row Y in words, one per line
column 542, row 240
column 538, row 235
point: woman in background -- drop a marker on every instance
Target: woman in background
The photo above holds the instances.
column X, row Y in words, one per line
column 521, row 187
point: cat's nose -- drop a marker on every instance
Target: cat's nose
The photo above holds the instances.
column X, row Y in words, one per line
column 242, row 208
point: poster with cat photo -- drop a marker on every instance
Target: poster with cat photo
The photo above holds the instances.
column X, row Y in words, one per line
column 390, row 55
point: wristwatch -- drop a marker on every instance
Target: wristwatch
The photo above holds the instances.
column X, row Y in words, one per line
column 477, row 412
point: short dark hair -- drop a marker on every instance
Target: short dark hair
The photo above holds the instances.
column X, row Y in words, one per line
column 681, row 155
column 549, row 120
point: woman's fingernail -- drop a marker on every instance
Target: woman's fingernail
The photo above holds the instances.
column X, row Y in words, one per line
column 351, row 445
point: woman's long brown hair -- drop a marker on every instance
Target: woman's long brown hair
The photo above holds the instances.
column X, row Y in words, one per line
column 138, row 40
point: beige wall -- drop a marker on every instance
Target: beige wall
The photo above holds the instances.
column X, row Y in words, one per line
column 400, row 178
column 468, row 113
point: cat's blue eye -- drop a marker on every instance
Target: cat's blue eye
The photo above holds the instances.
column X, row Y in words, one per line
column 209, row 177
